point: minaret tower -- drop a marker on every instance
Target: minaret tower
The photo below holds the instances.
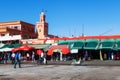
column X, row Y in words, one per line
column 42, row 27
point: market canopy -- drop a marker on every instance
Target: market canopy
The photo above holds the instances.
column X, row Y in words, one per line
column 78, row 44
column 9, row 47
column 63, row 42
column 107, row 44
column 6, row 49
column 39, row 52
column 91, row 44
column 23, row 48
column 45, row 47
column 64, row 49
column 117, row 44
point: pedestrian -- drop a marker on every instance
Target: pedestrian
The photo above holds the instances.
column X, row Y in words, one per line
column 41, row 57
column 17, row 59
column 33, row 56
column 28, row 56
column 13, row 57
column 5, row 58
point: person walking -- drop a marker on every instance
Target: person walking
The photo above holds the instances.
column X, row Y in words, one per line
column 13, row 57
column 33, row 56
column 28, row 56
column 17, row 59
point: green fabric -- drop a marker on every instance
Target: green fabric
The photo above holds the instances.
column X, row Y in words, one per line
column 91, row 44
column 16, row 45
column 10, row 46
column 73, row 44
column 117, row 44
column 63, row 42
column 7, row 46
column 66, row 42
column 78, row 44
column 107, row 44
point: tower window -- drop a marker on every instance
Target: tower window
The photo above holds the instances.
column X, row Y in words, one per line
column 39, row 30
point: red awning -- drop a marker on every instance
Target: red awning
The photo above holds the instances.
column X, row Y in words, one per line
column 39, row 52
column 62, row 48
column 24, row 48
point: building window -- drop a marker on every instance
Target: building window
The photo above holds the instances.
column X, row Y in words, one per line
column 15, row 27
column 2, row 34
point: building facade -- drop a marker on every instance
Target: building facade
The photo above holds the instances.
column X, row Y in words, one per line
column 16, row 30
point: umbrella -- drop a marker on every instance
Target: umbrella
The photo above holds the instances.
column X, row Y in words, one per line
column 15, row 49
column 26, row 48
column 23, row 48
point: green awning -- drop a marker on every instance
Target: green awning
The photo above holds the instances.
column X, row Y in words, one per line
column 45, row 47
column 63, row 42
column 117, row 44
column 66, row 42
column 10, row 46
column 73, row 44
column 16, row 45
column 78, row 44
column 107, row 44
column 92, row 44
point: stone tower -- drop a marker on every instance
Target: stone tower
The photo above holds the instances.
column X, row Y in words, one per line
column 42, row 27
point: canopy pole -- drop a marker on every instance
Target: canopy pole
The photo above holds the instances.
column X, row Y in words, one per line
column 101, row 58
column 61, row 56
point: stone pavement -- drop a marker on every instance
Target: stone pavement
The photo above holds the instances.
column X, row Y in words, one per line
column 31, row 71
column 84, row 63
column 88, row 63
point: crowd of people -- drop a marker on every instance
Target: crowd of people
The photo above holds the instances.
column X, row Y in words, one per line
column 17, row 57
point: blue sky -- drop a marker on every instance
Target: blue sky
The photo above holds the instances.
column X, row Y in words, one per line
column 67, row 17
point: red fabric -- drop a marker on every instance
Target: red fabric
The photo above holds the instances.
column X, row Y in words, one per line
column 64, row 49
column 15, row 49
column 50, row 52
column 24, row 48
column 39, row 52
column 85, row 37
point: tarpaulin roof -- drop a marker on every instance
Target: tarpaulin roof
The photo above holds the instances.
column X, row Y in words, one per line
column 91, row 44
column 107, row 44
column 45, row 47
column 78, row 44
column 24, row 48
column 117, row 47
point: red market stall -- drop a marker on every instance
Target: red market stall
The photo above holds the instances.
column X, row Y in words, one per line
column 59, row 48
